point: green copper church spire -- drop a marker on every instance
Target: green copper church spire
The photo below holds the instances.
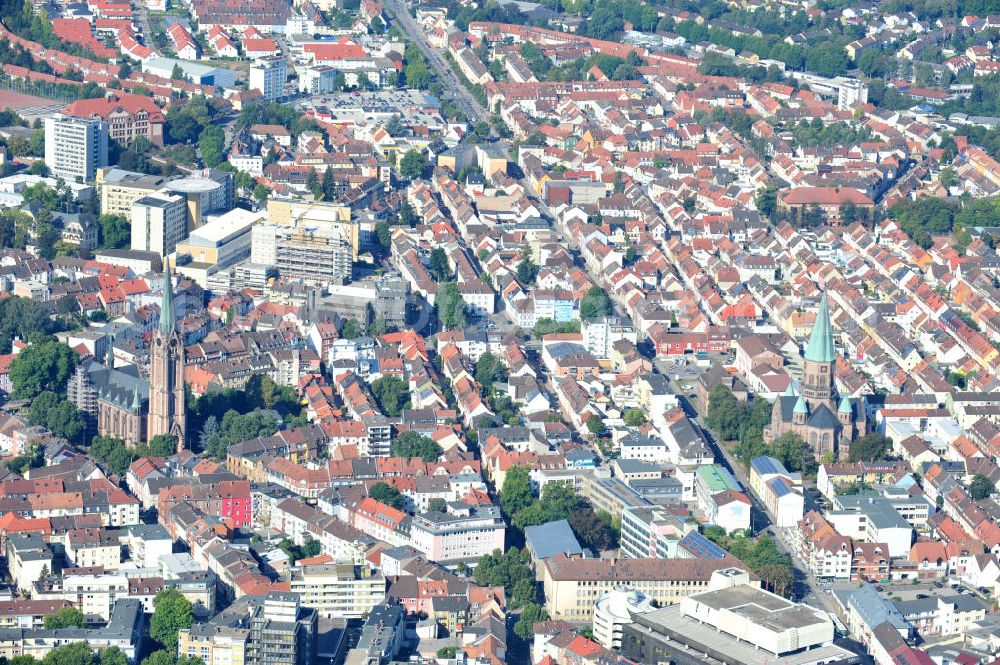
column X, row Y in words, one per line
column 820, row 348
column 167, row 307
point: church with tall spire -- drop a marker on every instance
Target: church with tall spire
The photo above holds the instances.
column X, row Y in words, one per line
column 827, row 422
column 166, row 371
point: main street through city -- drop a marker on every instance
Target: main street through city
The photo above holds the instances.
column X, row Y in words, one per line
column 453, row 87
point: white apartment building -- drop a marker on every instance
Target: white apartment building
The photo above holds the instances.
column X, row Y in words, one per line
column 159, row 222
column 339, row 590
column 269, row 76
column 75, row 147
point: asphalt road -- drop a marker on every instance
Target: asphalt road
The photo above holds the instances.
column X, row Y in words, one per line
column 453, row 88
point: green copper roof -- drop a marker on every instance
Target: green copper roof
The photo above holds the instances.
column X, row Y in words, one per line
column 167, row 307
column 136, row 402
column 820, row 348
column 790, row 390
column 800, row 406
column 845, row 406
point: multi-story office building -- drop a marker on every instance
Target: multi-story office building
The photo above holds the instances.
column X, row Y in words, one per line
column 464, row 533
column 573, row 586
column 217, row 244
column 315, row 254
column 75, row 147
column 339, row 590
column 651, row 531
column 282, row 632
column 159, row 222
column 254, row 630
column 269, row 76
column 120, row 189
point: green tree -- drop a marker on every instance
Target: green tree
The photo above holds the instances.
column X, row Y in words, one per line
column 384, row 234
column 527, row 271
column 212, row 142
column 437, row 505
column 510, row 570
column 44, row 365
column 516, row 493
column 767, row 201
column 328, row 187
column 261, row 192
column 634, row 417
column 165, row 657
column 450, row 306
column 870, row 448
column 411, row 444
column 489, row 369
column 112, row 656
column 67, row 617
column 439, row 265
column 60, row 416
column 351, row 329
column 981, row 487
column 163, row 445
column 592, row 531
column 263, row 393
column 949, row 177
column 234, row 427
column 112, row 453
column 391, row 393
column 77, row 653
column 595, row 303
column 596, row 427
column 413, row 165
column 530, row 615
column 792, row 451
column 827, row 59
column 114, row 231
column 388, row 495
column 171, row 613
column 725, row 413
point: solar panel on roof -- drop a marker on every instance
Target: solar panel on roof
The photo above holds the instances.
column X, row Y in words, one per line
column 701, row 547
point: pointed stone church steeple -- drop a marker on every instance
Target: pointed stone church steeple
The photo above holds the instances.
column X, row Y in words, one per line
column 166, row 371
column 818, row 367
column 820, row 348
column 167, row 315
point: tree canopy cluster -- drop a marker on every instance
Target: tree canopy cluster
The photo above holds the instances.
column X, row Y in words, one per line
column 926, row 217
column 388, row 495
column 172, row 612
column 510, row 570
column 216, row 436
column 761, row 555
column 295, row 552
column 412, row 444
column 392, row 395
column 743, row 422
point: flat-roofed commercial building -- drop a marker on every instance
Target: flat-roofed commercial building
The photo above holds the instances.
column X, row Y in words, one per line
column 572, row 586
column 737, row 625
column 120, row 189
column 218, row 244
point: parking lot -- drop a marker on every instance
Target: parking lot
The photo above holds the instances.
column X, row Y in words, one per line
column 910, row 591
